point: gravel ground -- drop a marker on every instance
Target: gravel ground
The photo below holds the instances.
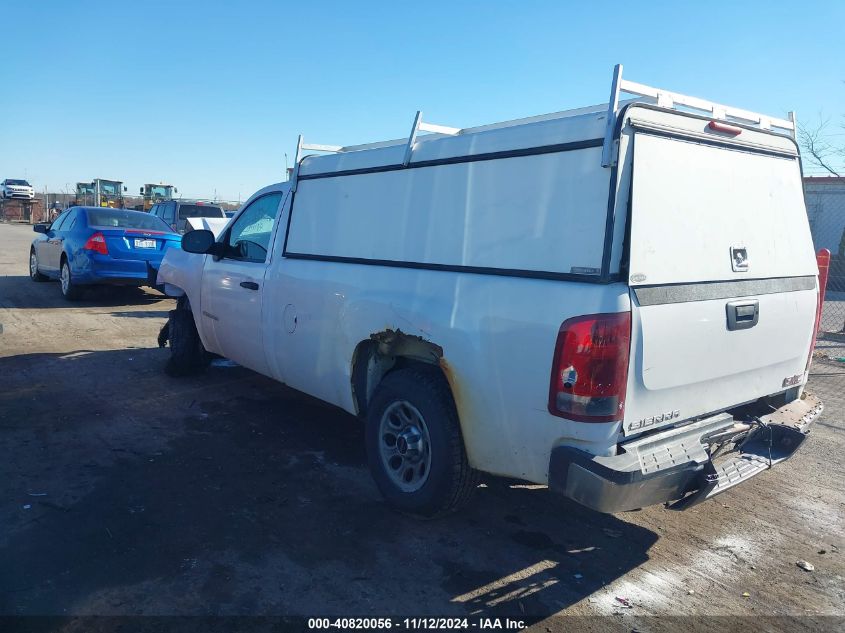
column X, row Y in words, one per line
column 126, row 492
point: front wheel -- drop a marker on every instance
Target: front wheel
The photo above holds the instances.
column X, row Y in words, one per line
column 34, row 273
column 187, row 354
column 70, row 290
column 414, row 446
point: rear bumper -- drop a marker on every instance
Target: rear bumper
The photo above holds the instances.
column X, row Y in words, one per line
column 98, row 269
column 675, row 465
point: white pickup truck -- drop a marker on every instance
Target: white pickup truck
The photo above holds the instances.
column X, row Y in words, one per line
column 619, row 301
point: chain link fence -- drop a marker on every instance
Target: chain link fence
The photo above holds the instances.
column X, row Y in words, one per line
column 46, row 206
column 825, row 199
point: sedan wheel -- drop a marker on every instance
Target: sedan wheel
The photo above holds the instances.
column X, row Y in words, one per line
column 70, row 290
column 33, row 267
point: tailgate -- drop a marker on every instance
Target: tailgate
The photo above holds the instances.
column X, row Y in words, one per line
column 722, row 278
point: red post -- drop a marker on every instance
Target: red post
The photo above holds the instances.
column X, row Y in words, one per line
column 823, row 262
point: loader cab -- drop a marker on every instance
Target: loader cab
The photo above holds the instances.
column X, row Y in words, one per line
column 156, row 193
column 84, row 194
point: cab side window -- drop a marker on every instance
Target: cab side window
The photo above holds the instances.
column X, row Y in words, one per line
column 169, row 212
column 249, row 237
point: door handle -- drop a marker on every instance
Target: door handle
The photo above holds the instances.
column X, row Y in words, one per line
column 742, row 314
column 249, row 285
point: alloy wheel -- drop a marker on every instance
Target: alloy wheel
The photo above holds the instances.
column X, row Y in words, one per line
column 65, row 278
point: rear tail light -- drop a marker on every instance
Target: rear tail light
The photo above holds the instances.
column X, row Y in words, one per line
column 97, row 243
column 823, row 261
column 590, row 368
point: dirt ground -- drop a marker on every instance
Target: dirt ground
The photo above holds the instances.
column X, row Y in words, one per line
column 127, row 492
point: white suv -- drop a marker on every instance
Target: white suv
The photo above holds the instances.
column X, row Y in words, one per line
column 14, row 188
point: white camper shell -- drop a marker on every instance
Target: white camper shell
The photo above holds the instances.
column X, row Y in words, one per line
column 599, row 300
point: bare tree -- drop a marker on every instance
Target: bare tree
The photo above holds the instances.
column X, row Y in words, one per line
column 820, row 148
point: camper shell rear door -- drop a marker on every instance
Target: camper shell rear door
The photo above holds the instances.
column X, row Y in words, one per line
column 721, row 268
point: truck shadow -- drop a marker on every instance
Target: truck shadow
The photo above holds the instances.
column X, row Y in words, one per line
column 228, row 493
column 20, row 292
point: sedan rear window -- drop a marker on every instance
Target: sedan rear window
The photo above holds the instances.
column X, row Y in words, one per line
column 200, row 211
column 116, row 218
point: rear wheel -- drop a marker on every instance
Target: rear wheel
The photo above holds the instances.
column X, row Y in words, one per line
column 70, row 290
column 414, row 445
column 187, row 354
column 34, row 274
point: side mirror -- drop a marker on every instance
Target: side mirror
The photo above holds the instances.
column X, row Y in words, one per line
column 125, row 188
column 200, row 241
column 41, row 228
column 175, row 190
column 141, row 191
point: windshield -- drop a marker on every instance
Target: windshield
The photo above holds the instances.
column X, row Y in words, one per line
column 109, row 188
column 19, row 183
column 200, row 211
column 115, row 218
column 160, row 192
column 84, row 188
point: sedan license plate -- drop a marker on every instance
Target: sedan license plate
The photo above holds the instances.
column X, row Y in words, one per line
column 145, row 243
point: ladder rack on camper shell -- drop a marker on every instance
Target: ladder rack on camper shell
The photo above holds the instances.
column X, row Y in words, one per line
column 419, row 126
column 670, row 100
column 663, row 98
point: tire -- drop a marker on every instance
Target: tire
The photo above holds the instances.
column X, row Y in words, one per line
column 70, row 290
column 33, row 267
column 414, row 446
column 187, row 354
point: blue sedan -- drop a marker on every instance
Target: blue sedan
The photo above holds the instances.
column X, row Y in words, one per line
column 88, row 246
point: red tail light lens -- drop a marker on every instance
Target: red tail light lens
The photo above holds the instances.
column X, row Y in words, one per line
column 97, row 243
column 823, row 261
column 590, row 368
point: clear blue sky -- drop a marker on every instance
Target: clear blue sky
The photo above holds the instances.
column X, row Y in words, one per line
column 211, row 95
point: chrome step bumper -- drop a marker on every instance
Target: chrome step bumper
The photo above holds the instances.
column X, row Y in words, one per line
column 675, row 466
